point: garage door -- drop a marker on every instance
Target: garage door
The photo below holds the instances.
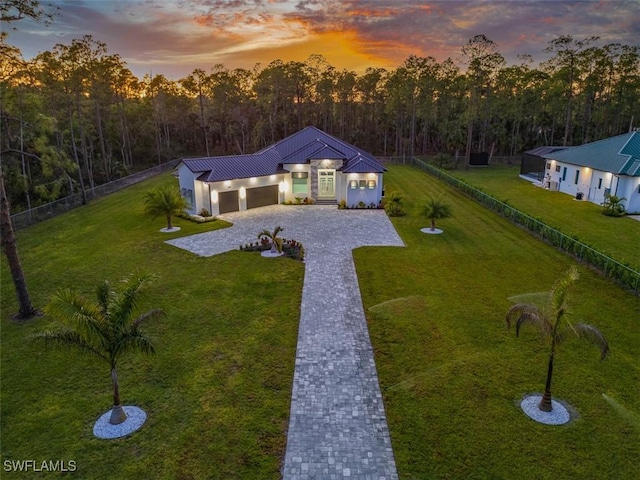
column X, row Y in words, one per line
column 228, row 201
column 262, row 196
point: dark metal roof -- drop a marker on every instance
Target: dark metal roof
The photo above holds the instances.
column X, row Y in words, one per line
column 540, row 151
column 299, row 148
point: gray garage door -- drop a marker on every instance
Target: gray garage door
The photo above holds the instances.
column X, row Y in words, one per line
column 262, row 196
column 228, row 201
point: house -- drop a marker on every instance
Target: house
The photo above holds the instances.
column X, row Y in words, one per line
column 533, row 164
column 591, row 171
column 308, row 164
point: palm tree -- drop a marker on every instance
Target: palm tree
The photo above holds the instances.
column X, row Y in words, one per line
column 105, row 328
column 165, row 201
column 276, row 243
column 613, row 206
column 436, row 209
column 550, row 319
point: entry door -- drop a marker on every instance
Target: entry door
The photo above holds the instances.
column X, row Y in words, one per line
column 326, row 183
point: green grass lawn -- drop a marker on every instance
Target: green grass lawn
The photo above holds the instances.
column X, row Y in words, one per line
column 217, row 392
column 451, row 374
column 617, row 237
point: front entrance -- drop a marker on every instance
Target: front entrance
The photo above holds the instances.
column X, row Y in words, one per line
column 326, row 183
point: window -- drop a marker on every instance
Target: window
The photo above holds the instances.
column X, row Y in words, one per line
column 299, row 182
column 548, row 166
column 564, row 174
column 371, row 184
column 577, row 176
column 557, row 168
column 599, row 184
column 353, row 184
column 363, row 184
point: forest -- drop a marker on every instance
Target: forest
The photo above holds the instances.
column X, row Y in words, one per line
column 75, row 117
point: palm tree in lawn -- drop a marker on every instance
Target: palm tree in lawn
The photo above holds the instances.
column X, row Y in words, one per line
column 549, row 316
column 165, row 202
column 436, row 209
column 276, row 242
column 105, row 328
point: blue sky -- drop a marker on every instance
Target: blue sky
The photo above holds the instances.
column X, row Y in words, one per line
column 173, row 37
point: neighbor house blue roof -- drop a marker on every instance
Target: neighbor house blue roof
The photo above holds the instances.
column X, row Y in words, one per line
column 308, row 144
column 619, row 155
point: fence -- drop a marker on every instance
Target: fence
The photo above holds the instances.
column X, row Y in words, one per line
column 50, row 210
column 623, row 274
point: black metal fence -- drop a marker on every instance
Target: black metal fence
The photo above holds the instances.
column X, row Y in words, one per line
column 610, row 267
column 50, row 210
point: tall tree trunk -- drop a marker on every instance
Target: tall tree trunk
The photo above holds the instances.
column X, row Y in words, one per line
column 27, row 310
column 117, row 412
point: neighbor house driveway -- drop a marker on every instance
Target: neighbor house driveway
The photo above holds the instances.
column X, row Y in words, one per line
column 337, row 425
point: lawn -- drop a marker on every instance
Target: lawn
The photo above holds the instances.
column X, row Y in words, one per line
column 617, row 237
column 217, row 392
column 452, row 375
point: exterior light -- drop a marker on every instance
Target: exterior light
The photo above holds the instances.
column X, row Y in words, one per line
column 227, row 183
column 253, row 180
column 243, row 192
column 214, row 196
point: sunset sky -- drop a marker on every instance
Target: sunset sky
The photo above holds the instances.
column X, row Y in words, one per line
column 173, row 37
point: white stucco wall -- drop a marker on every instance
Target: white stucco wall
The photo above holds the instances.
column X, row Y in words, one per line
column 595, row 183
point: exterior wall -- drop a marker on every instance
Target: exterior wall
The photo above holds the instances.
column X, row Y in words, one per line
column 594, row 184
column 316, row 165
column 366, row 195
column 629, row 188
column 187, row 181
column 288, row 194
column 241, row 185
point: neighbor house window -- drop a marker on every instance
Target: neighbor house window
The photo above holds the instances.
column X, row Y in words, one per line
column 577, row 176
column 299, row 182
column 557, row 168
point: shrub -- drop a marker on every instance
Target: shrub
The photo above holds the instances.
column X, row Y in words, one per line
column 613, row 206
column 204, row 213
column 393, row 205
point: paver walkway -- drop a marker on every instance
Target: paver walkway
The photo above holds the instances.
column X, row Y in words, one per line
column 337, row 424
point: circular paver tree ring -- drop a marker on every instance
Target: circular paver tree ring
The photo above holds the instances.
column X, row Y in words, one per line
column 135, row 418
column 169, row 230
column 559, row 415
column 270, row 254
column 435, row 231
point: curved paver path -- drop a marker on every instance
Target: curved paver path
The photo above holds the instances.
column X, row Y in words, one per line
column 337, row 424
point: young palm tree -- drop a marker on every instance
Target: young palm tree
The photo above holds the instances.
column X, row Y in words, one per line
column 436, row 209
column 613, row 206
column 105, row 328
column 165, row 201
column 276, row 243
column 550, row 319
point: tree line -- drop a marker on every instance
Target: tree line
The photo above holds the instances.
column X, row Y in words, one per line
column 75, row 116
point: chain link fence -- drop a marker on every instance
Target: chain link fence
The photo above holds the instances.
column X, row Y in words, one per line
column 610, row 267
column 53, row 209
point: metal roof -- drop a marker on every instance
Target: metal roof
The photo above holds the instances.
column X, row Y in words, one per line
column 619, row 155
column 540, row 151
column 299, row 148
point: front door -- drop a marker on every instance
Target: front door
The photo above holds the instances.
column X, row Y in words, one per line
column 326, row 183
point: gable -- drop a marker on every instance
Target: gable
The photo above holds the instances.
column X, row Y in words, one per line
column 308, row 143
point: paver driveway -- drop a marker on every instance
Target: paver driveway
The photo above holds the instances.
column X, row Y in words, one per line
column 337, row 425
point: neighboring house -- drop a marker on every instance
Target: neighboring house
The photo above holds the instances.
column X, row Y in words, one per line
column 308, row 164
column 590, row 171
